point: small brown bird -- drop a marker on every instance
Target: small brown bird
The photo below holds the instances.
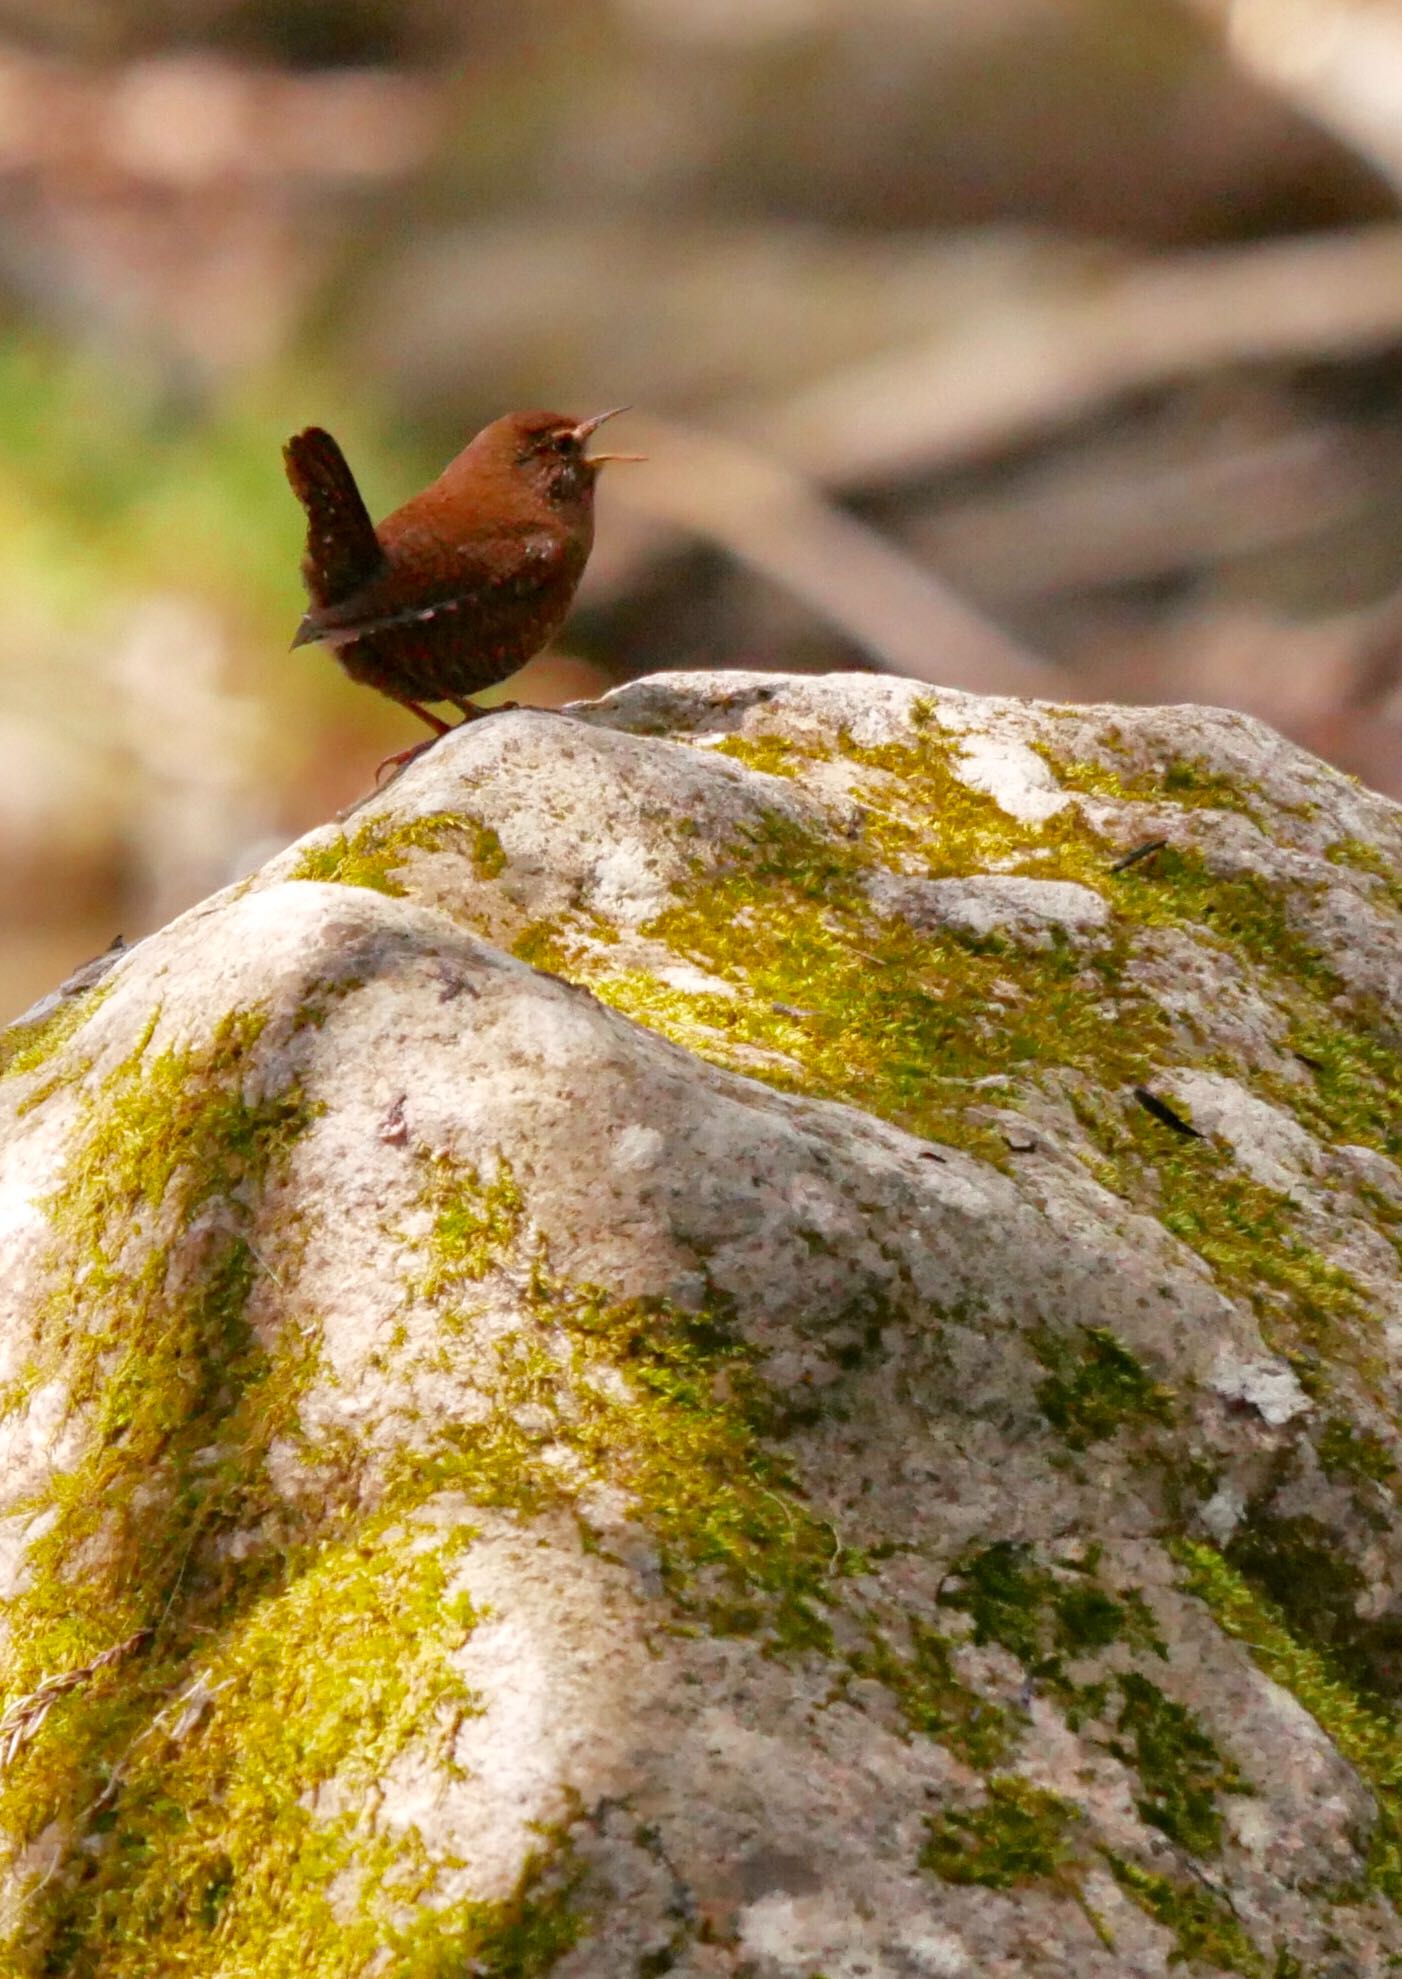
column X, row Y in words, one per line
column 460, row 586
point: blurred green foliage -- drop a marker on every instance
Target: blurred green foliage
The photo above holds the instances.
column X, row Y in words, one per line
column 112, row 482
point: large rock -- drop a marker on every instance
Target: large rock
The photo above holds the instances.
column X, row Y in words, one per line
column 714, row 1340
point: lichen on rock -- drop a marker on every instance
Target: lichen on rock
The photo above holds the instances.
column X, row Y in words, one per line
column 714, row 1338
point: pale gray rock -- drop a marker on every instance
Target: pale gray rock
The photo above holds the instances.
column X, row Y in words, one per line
column 996, row 904
column 614, row 1352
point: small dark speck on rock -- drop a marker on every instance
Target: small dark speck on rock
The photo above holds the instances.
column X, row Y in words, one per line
column 1163, row 1112
column 1144, row 851
column 579, row 989
column 453, row 984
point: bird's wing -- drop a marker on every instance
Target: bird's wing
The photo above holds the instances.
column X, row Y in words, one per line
column 343, row 552
column 427, row 580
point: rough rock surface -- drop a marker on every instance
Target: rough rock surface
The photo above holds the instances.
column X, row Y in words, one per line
column 716, row 1340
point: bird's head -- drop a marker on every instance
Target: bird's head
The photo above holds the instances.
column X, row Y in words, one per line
column 548, row 449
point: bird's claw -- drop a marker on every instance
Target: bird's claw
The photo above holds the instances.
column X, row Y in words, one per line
column 401, row 759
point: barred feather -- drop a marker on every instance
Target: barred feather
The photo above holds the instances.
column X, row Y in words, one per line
column 343, row 551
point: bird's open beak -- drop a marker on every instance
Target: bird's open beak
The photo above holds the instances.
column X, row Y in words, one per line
column 588, row 426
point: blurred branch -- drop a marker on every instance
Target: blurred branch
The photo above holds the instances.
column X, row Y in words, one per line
column 1011, row 376
column 1002, row 379
column 769, row 518
column 1125, row 515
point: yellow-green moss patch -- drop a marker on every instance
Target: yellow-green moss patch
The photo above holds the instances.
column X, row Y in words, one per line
column 25, row 1047
column 1190, row 782
column 1203, row 1925
column 372, row 857
column 281, row 1658
column 772, row 755
column 1367, row 1735
column 1364, row 858
column 1298, row 1566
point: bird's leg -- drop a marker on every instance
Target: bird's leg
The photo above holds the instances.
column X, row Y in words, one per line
column 472, row 713
column 403, row 757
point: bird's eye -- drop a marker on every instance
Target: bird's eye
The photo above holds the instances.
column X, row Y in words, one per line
column 566, row 442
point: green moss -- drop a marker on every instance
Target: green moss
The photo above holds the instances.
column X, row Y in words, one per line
column 373, row 856
column 541, row 946
column 1297, row 1565
column 661, row 1403
column 1048, row 1618
column 1095, row 1386
column 1353, row 1092
column 1181, row 1769
column 1203, row 1926
column 922, row 813
column 791, row 927
column 1364, row 858
column 182, row 1780
column 1368, row 1736
column 315, row 1688
column 1044, row 1616
column 1346, row 1451
column 474, row 1222
column 772, row 755
column 665, row 1405
column 1309, row 1308
column 488, row 856
column 25, row 1047
column 922, row 1027
column 207, row 1794
column 1189, row 782
column 933, row 1700
column 1007, row 1594
column 1020, row 1835
column 1245, row 912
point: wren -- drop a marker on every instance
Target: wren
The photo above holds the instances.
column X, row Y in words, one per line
column 458, row 588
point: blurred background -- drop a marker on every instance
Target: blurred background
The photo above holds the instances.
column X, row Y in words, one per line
column 1045, row 346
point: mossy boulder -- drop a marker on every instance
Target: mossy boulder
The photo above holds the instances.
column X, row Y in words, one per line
column 753, row 1331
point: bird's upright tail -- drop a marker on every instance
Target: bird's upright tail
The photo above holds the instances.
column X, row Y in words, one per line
column 343, row 551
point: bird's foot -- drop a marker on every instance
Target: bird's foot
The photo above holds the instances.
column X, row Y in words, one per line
column 402, row 759
column 470, row 712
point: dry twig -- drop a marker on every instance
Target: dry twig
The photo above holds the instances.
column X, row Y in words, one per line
column 26, row 1715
